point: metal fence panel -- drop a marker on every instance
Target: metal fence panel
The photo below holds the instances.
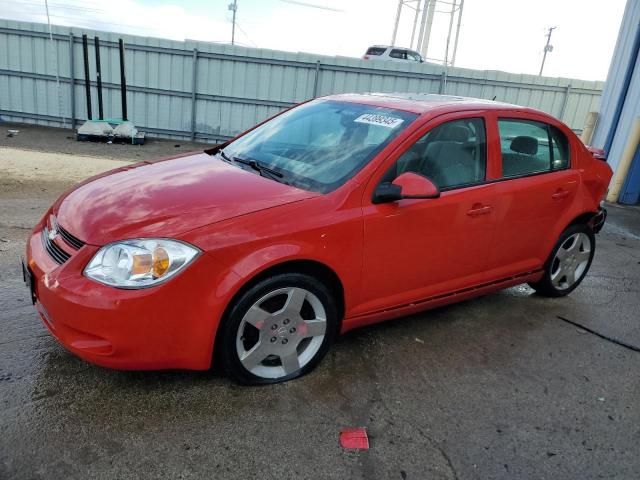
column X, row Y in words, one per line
column 235, row 87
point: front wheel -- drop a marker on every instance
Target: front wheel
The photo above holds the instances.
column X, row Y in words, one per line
column 568, row 263
column 278, row 330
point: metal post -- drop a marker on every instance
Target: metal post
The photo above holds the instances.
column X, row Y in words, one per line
column 99, row 77
column 123, row 81
column 565, row 101
column 443, row 83
column 455, row 43
column 415, row 23
column 54, row 54
column 423, row 22
column 87, row 79
column 395, row 26
column 194, row 76
column 72, row 79
column 446, row 50
column 316, row 79
column 547, row 48
column 424, row 47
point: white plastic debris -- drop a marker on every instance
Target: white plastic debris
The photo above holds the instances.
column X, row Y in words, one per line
column 97, row 128
column 125, row 130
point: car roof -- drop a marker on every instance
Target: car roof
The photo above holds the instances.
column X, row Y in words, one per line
column 392, row 46
column 426, row 102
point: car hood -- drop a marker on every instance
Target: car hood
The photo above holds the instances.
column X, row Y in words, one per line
column 166, row 198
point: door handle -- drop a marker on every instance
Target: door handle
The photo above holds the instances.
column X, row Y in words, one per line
column 479, row 210
column 560, row 194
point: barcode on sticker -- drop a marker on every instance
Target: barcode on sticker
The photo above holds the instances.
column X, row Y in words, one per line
column 382, row 120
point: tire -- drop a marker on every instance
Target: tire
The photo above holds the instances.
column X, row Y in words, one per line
column 574, row 253
column 282, row 317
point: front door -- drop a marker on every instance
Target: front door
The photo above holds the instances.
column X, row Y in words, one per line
column 416, row 249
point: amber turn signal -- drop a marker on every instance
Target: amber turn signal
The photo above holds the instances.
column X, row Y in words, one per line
column 161, row 262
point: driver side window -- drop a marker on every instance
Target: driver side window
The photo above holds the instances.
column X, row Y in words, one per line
column 453, row 154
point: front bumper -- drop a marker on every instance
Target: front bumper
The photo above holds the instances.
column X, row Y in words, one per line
column 169, row 326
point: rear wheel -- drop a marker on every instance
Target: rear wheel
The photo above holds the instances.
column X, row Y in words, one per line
column 278, row 330
column 568, row 263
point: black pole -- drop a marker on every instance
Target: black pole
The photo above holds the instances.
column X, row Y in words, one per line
column 99, row 77
column 87, row 80
column 123, row 81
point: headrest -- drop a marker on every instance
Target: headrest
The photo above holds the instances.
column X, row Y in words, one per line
column 455, row 133
column 525, row 145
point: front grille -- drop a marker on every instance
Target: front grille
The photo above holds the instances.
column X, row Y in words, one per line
column 72, row 241
column 58, row 254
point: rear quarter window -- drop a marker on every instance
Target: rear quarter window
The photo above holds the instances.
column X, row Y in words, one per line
column 376, row 51
column 560, row 144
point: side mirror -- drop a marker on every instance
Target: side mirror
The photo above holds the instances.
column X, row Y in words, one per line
column 406, row 185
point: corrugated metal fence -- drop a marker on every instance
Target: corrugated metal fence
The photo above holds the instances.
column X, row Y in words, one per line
column 211, row 91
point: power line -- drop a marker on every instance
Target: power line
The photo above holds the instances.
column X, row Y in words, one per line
column 58, row 5
column 312, row 5
column 245, row 34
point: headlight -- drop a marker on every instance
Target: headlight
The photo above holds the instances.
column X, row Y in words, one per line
column 139, row 263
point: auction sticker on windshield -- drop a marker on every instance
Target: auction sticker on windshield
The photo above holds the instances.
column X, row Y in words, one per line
column 382, row 120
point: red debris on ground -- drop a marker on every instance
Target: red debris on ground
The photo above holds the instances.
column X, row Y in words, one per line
column 354, row 438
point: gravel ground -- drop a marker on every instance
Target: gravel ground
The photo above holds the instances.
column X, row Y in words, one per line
column 496, row 387
column 45, row 139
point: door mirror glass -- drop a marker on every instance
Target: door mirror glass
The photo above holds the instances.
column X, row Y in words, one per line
column 407, row 185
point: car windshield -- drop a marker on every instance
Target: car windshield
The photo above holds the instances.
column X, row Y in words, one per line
column 319, row 145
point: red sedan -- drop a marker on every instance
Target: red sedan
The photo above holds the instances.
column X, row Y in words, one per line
column 341, row 212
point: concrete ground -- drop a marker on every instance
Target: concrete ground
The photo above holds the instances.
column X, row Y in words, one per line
column 497, row 387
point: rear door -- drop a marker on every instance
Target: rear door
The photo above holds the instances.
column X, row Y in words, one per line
column 536, row 190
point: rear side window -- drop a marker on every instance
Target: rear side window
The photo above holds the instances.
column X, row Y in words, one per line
column 375, row 51
column 530, row 147
column 397, row 53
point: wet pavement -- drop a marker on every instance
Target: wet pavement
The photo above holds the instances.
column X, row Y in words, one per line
column 496, row 387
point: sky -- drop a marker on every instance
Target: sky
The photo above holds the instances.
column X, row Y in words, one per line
column 507, row 35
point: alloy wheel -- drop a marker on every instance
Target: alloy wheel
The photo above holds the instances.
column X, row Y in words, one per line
column 281, row 332
column 570, row 261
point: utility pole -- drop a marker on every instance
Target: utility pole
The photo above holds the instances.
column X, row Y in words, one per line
column 233, row 7
column 547, row 48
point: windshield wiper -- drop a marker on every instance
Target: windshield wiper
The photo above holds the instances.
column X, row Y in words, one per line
column 255, row 165
column 224, row 155
column 259, row 167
